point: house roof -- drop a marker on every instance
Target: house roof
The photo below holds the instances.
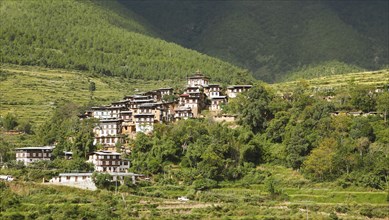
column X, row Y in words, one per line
column 218, row 97
column 99, row 107
column 147, row 105
column 169, row 88
column 198, row 75
column 110, row 120
column 144, row 114
column 75, row 174
column 239, row 86
column 106, row 153
column 125, row 112
column 36, row 148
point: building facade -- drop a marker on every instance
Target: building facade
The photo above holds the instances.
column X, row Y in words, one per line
column 29, row 155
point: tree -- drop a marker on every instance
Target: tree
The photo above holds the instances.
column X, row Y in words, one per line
column 319, row 164
column 102, row 180
column 363, row 99
column 297, row 146
column 256, row 112
column 92, row 88
column 9, row 122
column 360, row 127
column 383, row 104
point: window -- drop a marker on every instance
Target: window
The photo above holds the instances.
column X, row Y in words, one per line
column 33, row 154
column 39, row 154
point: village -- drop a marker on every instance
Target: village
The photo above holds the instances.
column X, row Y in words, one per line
column 122, row 120
column 137, row 113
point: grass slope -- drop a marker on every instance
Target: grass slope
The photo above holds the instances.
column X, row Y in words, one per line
column 32, row 92
column 339, row 82
column 272, row 38
column 99, row 37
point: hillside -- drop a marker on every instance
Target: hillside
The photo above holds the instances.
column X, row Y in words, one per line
column 99, row 37
column 338, row 82
column 31, row 93
column 274, row 38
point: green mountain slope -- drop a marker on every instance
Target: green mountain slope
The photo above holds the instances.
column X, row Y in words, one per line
column 100, row 37
column 273, row 38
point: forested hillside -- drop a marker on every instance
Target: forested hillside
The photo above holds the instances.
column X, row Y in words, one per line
column 100, row 37
column 273, row 38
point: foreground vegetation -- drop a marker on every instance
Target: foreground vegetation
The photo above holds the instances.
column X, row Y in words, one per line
column 298, row 199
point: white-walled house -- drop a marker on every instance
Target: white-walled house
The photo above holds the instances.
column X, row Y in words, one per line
column 217, row 102
column 233, row 91
column 29, row 155
column 198, row 79
column 108, row 161
column 108, row 132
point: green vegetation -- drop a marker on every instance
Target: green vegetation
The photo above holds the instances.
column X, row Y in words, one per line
column 339, row 83
column 325, row 69
column 31, row 93
column 337, row 165
column 231, row 200
column 274, row 38
column 92, row 36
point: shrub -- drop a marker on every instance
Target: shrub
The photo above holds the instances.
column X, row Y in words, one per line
column 204, row 184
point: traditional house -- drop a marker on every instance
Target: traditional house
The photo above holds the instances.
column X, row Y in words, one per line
column 198, row 79
column 194, row 103
column 212, row 90
column 101, row 112
column 121, row 103
column 166, row 91
column 183, row 113
column 128, row 125
column 155, row 95
column 144, row 122
column 233, row 91
column 29, row 155
column 108, row 132
column 134, row 104
column 217, row 102
column 107, row 161
column 68, row 155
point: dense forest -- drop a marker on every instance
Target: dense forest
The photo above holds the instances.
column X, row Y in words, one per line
column 91, row 36
column 126, row 38
column 274, row 38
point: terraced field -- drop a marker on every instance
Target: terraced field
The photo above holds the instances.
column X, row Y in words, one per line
column 229, row 201
column 32, row 92
column 338, row 82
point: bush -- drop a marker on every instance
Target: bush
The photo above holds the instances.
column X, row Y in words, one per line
column 341, row 208
column 9, row 122
column 204, row 184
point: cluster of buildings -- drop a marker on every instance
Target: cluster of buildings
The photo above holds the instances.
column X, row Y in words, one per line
column 136, row 113
column 139, row 112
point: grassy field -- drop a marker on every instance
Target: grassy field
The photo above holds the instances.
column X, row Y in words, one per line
column 231, row 200
column 338, row 82
column 32, row 92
